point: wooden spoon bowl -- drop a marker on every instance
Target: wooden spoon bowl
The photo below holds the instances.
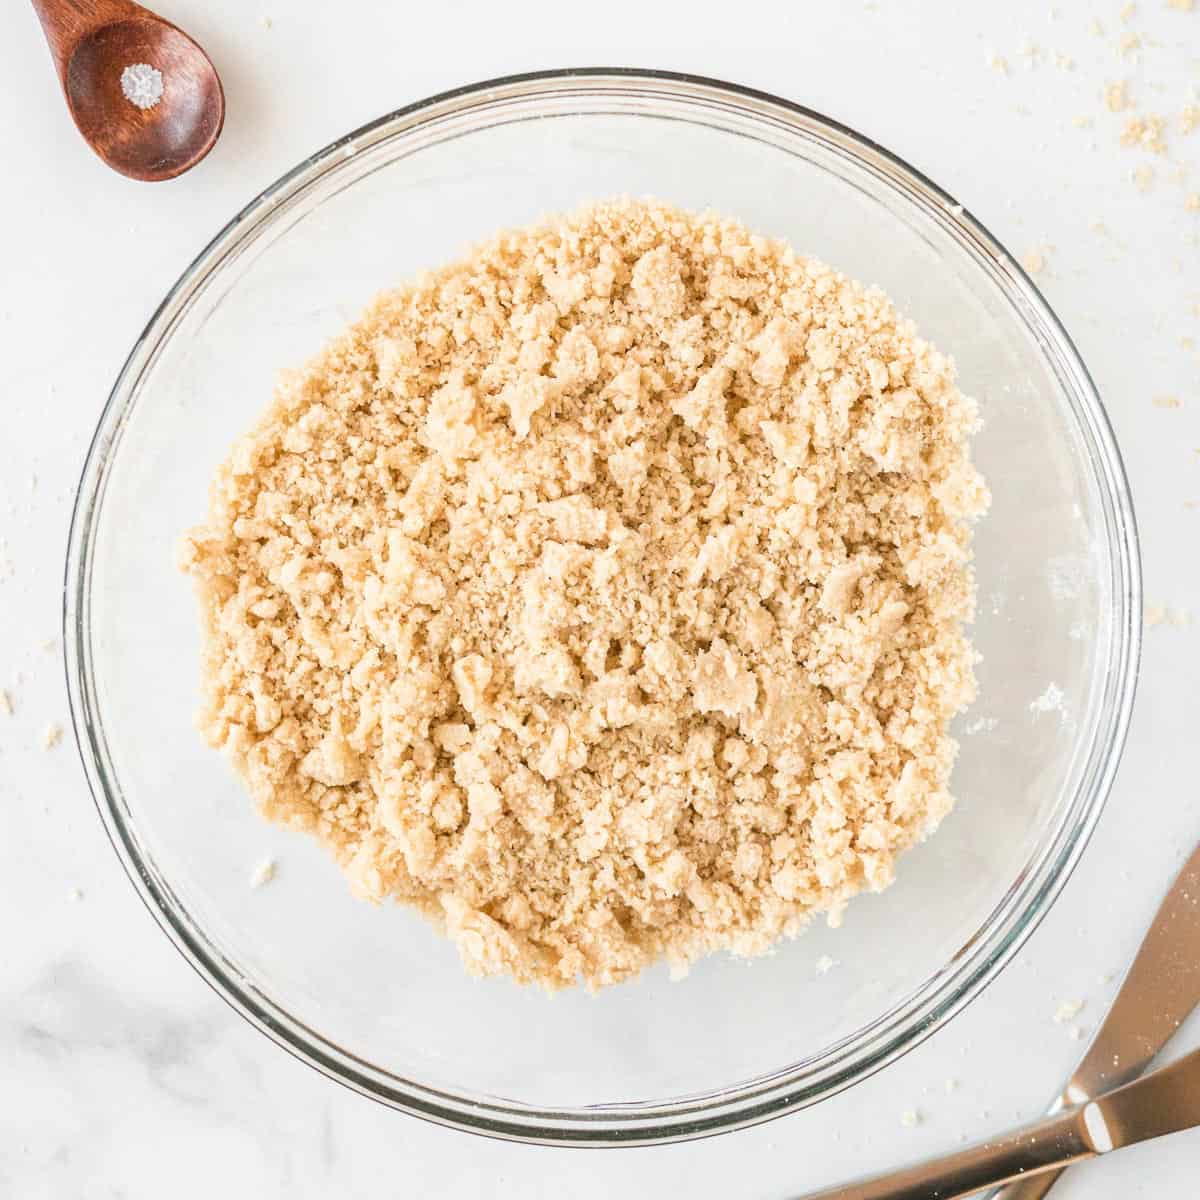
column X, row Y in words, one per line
column 93, row 42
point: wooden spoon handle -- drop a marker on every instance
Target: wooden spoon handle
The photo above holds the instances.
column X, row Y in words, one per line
column 66, row 22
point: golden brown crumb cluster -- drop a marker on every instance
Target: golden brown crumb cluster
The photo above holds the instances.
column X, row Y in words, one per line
column 601, row 594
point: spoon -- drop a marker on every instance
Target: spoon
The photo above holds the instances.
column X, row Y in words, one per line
column 145, row 97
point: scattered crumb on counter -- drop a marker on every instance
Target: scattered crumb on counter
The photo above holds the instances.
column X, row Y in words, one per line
column 1075, row 1033
column 1126, row 13
column 951, row 1086
column 266, row 22
column 6, row 704
column 263, row 873
column 1181, row 5
column 998, row 63
column 1192, row 202
column 1146, row 133
column 1116, row 96
column 1167, row 402
column 1127, row 43
column 50, row 646
column 911, row 1118
column 1156, row 616
column 1143, row 178
column 1034, row 262
column 825, row 964
column 52, row 736
column 1068, row 1010
column 75, row 894
column 1082, row 122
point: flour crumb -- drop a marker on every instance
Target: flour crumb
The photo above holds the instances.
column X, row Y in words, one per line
column 1169, row 401
column 1158, row 616
column 6, row 704
column 1116, row 96
column 825, row 964
column 1143, row 178
column 263, row 873
column 1051, row 700
column 1127, row 43
column 1126, row 13
column 1181, row 5
column 951, row 1086
column 1075, row 1033
column 998, row 63
column 911, row 1118
column 1192, row 202
column 1067, row 1011
column 1034, row 262
column 52, row 736
column 75, row 895
column 1145, row 133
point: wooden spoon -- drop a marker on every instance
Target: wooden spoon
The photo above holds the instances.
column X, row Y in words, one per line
column 152, row 122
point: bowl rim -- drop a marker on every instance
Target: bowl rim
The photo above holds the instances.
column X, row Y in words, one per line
column 906, row 1024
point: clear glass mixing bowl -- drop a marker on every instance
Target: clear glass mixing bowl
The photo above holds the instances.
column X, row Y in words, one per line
column 375, row 998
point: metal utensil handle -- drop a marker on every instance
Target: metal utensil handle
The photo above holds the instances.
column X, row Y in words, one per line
column 1049, row 1144
column 1164, row 1101
column 1158, row 993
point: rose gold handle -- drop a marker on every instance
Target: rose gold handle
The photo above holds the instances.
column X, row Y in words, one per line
column 1157, row 995
column 1165, row 1101
column 1051, row 1143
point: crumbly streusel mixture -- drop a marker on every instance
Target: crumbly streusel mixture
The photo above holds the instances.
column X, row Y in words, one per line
column 601, row 594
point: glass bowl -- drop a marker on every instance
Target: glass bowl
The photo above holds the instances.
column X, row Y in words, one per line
column 373, row 996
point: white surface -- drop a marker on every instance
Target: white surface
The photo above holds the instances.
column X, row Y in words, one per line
column 123, row 1075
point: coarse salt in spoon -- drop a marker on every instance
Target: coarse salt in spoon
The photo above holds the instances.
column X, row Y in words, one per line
column 144, row 95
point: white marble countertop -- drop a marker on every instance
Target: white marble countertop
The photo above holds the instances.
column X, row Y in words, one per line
column 123, row 1074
